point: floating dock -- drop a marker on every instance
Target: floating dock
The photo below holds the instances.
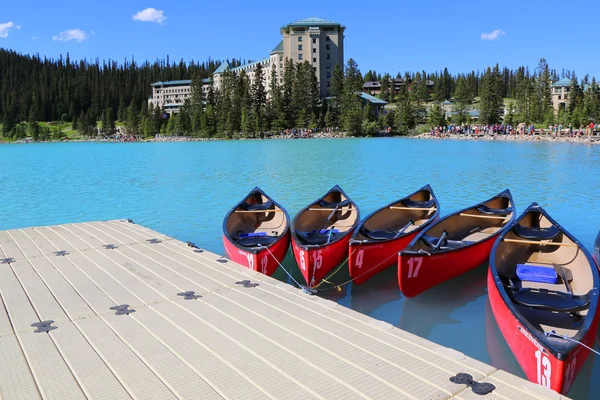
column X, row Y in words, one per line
column 113, row 310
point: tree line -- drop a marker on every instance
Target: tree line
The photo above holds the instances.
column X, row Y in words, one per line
column 93, row 96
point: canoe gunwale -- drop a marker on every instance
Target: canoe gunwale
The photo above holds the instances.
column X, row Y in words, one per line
column 300, row 244
column 256, row 249
column 506, row 193
column 434, row 217
column 559, row 348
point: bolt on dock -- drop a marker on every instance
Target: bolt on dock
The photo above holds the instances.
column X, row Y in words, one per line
column 113, row 310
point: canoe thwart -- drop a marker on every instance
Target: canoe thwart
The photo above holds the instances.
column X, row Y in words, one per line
column 330, row 209
column 412, row 208
column 482, row 216
column 258, row 211
column 540, row 243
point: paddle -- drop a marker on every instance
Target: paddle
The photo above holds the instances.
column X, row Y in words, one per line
column 439, row 242
column 328, row 218
column 401, row 231
column 330, row 233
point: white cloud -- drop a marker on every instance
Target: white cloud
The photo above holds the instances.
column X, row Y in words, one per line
column 34, row 38
column 493, row 35
column 7, row 26
column 150, row 15
column 71, row 34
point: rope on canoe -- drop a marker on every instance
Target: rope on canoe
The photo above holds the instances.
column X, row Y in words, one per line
column 565, row 337
column 339, row 287
column 282, row 267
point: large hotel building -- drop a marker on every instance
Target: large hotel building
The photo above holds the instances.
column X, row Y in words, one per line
column 315, row 40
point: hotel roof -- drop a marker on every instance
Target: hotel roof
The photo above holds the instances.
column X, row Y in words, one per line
column 278, row 48
column 562, row 83
column 251, row 65
column 312, row 21
column 182, row 82
column 372, row 99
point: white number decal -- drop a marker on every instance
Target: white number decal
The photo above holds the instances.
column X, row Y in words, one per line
column 263, row 264
column 250, row 261
column 544, row 369
column 414, row 264
column 302, row 261
column 359, row 258
column 318, row 260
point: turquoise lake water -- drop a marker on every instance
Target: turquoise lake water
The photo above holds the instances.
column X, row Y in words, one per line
column 185, row 189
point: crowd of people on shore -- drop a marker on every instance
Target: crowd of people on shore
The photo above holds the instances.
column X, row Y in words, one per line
column 520, row 129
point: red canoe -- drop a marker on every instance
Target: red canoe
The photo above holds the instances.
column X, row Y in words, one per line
column 321, row 232
column 256, row 232
column 597, row 250
column 374, row 246
column 543, row 289
column 453, row 245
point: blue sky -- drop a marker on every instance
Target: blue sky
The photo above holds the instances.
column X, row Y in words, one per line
column 388, row 36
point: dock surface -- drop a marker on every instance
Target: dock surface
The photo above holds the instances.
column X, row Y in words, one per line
column 139, row 315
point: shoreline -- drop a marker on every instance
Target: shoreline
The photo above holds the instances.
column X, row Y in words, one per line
column 593, row 140
column 514, row 138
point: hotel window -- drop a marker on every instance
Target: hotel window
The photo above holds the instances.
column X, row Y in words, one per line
column 328, row 74
column 314, row 59
column 314, row 50
column 299, row 47
column 299, row 38
column 314, row 41
column 327, row 38
column 328, row 57
column 299, row 56
column 327, row 47
column 328, row 65
column 328, row 84
column 559, row 97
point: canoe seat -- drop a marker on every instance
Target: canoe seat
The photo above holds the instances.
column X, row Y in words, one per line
column 254, row 241
column 419, row 204
column 494, row 211
column 320, row 237
column 536, row 233
column 447, row 244
column 550, row 300
column 382, row 234
column 257, row 207
column 326, row 204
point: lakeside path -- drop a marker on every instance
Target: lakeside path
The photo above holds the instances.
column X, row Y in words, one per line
column 515, row 138
column 341, row 135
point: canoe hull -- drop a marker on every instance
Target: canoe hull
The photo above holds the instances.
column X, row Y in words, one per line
column 262, row 260
column 316, row 263
column 538, row 363
column 420, row 272
column 368, row 259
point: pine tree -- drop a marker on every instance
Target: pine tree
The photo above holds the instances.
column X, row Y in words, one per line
column 436, row 115
column 491, row 101
column 259, row 99
column 133, row 121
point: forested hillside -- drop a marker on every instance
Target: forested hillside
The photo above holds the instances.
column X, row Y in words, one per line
column 96, row 94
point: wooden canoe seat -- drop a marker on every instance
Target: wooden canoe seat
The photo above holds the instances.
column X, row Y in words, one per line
column 255, row 207
column 536, row 233
column 494, row 211
column 446, row 244
column 339, row 204
column 419, row 204
column 322, row 237
column 254, row 241
column 549, row 300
